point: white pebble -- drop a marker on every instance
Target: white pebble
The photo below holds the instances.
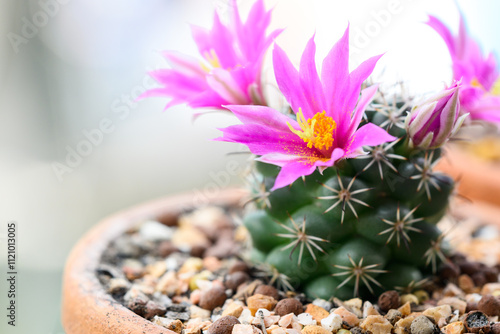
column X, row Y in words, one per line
column 323, row 303
column 332, row 323
column 306, row 319
column 245, row 316
column 262, row 312
column 155, row 231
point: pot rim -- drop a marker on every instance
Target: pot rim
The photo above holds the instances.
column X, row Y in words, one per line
column 86, row 306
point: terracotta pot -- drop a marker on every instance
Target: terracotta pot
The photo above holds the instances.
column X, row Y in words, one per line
column 86, row 307
column 478, row 180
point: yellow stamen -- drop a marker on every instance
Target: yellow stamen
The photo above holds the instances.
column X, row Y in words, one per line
column 212, row 59
column 475, row 83
column 495, row 90
column 317, row 132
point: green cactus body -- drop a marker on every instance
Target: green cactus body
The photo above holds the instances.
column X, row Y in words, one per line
column 364, row 226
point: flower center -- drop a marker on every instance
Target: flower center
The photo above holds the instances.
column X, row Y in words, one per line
column 316, row 131
column 212, row 59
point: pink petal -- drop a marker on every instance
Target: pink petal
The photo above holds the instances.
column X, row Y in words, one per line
column 222, row 82
column 264, row 116
column 445, row 33
column 309, row 79
column 356, row 79
column 369, row 135
column 291, row 172
column 367, row 96
column 288, row 80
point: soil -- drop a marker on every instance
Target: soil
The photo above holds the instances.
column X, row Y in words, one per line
column 191, row 276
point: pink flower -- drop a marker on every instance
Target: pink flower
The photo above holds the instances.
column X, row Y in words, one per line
column 328, row 111
column 432, row 123
column 230, row 70
column 480, row 92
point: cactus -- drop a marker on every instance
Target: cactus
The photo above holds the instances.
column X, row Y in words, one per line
column 366, row 224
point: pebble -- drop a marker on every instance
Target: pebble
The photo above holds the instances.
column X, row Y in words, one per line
column 314, row 329
column 438, row 312
column 323, row 303
column 238, row 266
column 188, row 236
column 318, row 313
column 393, row 316
column 490, row 289
column 166, row 248
column 223, row 325
column 168, row 284
column 466, row 283
column 198, row 312
column 368, row 309
column 173, row 325
column 347, row 317
column 306, row 319
column 118, row 286
column 234, row 309
column 155, row 231
column 213, row 297
column 258, row 301
column 332, row 322
column 403, row 326
column 456, row 327
column 212, row 263
column 409, row 298
column 376, row 324
column 286, row 320
column 489, row 305
column 405, row 309
column 477, row 322
column 423, row 325
column 234, row 280
column 455, row 303
column 153, row 309
column 243, row 329
column 289, row 305
column 184, row 316
column 389, row 300
column 495, row 328
column 267, row 290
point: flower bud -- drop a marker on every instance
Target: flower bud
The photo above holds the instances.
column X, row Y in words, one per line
column 433, row 122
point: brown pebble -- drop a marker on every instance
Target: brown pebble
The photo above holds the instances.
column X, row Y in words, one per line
column 166, row 248
column 238, row 266
column 317, row 312
column 471, row 306
column 175, row 326
column 393, row 316
column 213, row 297
column 479, row 279
column 137, row 305
column 223, row 325
column 197, row 250
column 267, row 290
column 449, row 271
column 491, row 274
column 477, row 322
column 495, row 328
column 289, row 305
column 489, row 305
column 234, row 280
column 389, row 300
column 469, row 268
column 152, row 308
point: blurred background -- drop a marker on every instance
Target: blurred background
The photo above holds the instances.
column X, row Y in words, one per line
column 70, row 71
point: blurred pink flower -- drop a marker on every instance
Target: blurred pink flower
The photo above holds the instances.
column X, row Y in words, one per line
column 230, row 70
column 480, row 92
column 328, row 111
column 433, row 122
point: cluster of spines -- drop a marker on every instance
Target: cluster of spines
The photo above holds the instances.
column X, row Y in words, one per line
column 366, row 225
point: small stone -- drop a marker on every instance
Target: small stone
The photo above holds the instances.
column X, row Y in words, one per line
column 344, row 331
column 213, row 297
column 449, row 271
column 376, row 324
column 456, row 327
column 489, row 305
column 451, row 290
column 455, row 303
column 223, row 325
column 422, row 296
column 438, row 312
column 466, row 283
column 118, row 286
column 188, row 236
column 223, row 248
column 155, row 231
column 323, row 303
column 318, row 313
column 198, row 312
column 238, row 266
column 267, row 290
column 490, row 289
column 389, row 300
column 166, row 248
column 234, row 309
column 495, row 328
column 168, row 284
column 332, row 322
column 277, row 330
column 258, row 301
column 306, row 319
column 286, row 320
column 173, row 325
column 368, row 309
column 405, row 309
column 183, row 316
column 469, row 268
column 354, row 303
column 314, row 329
column 393, row 316
column 212, row 263
column 477, row 322
column 347, row 317
column 289, row 305
column 422, row 325
column 243, row 329
column 403, row 326
column 153, row 309
column 409, row 298
column 191, row 265
column 200, row 279
column 234, row 280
